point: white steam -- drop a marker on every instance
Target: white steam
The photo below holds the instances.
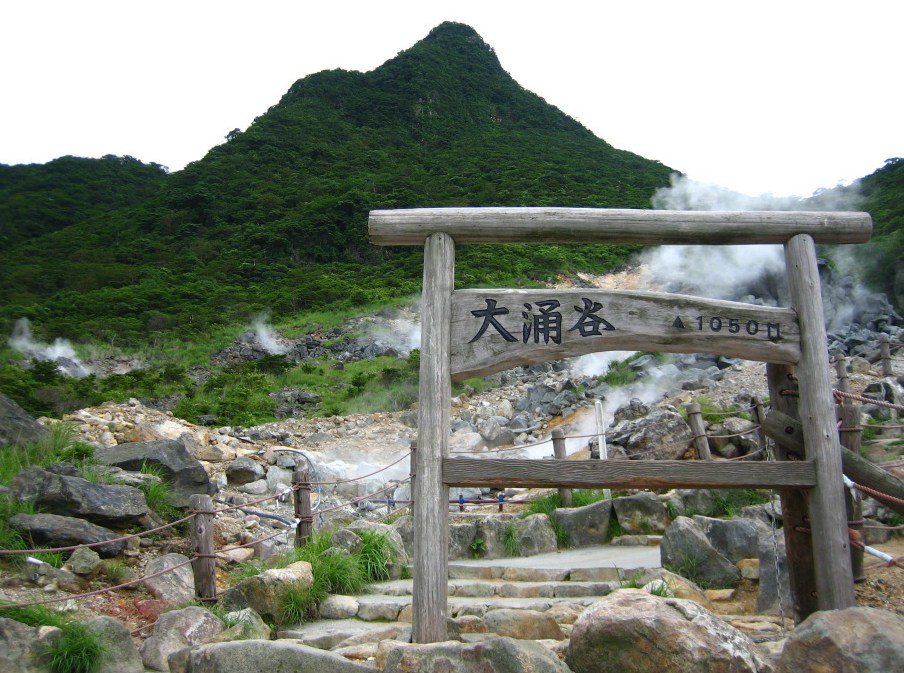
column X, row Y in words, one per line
column 267, row 339
column 60, row 351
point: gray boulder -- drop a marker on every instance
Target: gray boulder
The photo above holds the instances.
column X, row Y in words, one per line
column 585, row 525
column 244, row 470
column 492, row 655
column 536, row 536
column 262, row 592
column 855, row 640
column 122, row 655
column 76, row 497
column 185, row 475
column 631, row 631
column 685, row 550
column 522, row 624
column 461, row 536
column 65, row 531
column 735, row 539
column 17, row 427
column 176, row 630
column 661, row 435
column 774, row 589
column 174, row 585
column 22, row 647
column 274, row 655
column 641, row 514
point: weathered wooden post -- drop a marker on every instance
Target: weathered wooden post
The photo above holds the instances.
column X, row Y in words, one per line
column 412, row 470
column 759, row 413
column 795, row 520
column 695, row 420
column 885, row 352
column 834, row 580
column 431, row 517
column 558, row 448
column 302, row 500
column 204, row 565
column 849, row 435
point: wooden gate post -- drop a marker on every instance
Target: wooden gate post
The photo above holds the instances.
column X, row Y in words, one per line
column 828, row 521
column 431, row 515
column 558, row 448
column 204, row 566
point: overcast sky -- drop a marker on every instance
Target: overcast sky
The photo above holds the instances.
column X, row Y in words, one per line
column 757, row 96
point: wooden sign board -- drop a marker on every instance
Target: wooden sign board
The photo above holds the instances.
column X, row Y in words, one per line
column 493, row 330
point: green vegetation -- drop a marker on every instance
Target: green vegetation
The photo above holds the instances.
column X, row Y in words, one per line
column 728, row 502
column 275, row 219
column 77, row 650
column 478, row 547
column 511, row 539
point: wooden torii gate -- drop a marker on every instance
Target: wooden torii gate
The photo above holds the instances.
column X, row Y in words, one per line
column 476, row 332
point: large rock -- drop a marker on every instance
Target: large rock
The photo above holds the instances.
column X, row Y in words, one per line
column 22, row 647
column 461, row 536
column 77, row 497
column 262, row 592
column 184, row 474
column 641, row 514
column 735, row 539
column 493, row 655
column 585, row 525
column 175, row 585
column 66, row 531
column 685, row 550
column 17, row 427
column 536, row 535
column 855, row 640
column 121, row 654
column 176, row 630
column 774, row 587
column 243, row 471
column 661, row 435
column 391, row 533
column 240, row 656
column 631, row 631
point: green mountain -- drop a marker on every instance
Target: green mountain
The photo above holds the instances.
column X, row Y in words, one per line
column 275, row 219
column 883, row 259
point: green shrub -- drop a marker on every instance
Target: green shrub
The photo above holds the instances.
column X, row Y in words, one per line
column 728, row 502
column 298, row 604
column 478, row 547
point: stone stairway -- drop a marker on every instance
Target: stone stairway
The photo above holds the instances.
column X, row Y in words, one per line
column 559, row 585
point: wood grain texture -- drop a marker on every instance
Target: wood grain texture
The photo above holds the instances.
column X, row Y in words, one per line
column 431, row 521
column 625, row 473
column 828, row 521
column 782, row 426
column 610, row 225
column 493, row 329
column 204, row 566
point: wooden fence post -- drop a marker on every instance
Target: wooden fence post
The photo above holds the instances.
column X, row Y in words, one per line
column 558, row 447
column 695, row 420
column 885, row 351
column 305, row 527
column 759, row 413
column 204, row 566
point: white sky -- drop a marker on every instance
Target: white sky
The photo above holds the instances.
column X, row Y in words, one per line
column 757, row 96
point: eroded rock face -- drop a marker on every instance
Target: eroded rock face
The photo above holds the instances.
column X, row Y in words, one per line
column 855, row 640
column 261, row 593
column 631, row 631
column 16, row 425
column 184, row 474
column 686, row 550
column 73, row 496
column 177, row 630
column 65, row 531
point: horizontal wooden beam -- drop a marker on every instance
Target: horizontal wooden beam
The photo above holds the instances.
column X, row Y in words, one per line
column 610, row 225
column 493, row 330
column 627, row 473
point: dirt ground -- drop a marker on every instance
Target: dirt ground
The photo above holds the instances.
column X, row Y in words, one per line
column 884, row 585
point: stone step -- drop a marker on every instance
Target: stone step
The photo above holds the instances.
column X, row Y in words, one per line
column 460, row 588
